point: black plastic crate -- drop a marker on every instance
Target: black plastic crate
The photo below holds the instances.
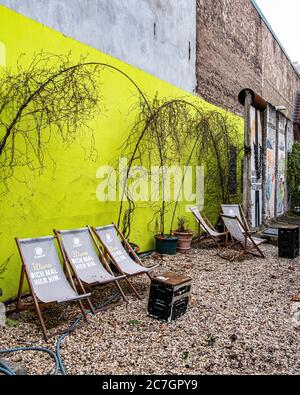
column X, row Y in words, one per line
column 288, row 242
column 169, row 296
column 170, row 312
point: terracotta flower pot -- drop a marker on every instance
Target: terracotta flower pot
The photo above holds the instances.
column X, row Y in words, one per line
column 184, row 240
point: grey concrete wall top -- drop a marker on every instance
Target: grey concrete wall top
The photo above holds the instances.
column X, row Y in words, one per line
column 158, row 36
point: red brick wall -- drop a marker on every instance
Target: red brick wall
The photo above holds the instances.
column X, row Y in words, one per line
column 236, row 50
column 280, row 82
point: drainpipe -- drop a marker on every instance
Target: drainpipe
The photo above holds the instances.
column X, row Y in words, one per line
column 287, row 203
column 247, row 159
column 264, row 166
column 276, row 164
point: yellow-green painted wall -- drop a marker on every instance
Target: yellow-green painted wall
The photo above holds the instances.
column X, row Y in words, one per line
column 67, row 198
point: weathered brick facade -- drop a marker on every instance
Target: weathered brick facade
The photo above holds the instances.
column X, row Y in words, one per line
column 237, row 50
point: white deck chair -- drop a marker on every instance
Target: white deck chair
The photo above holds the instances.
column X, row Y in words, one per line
column 242, row 237
column 235, row 210
column 121, row 255
column 78, row 248
column 46, row 279
column 207, row 227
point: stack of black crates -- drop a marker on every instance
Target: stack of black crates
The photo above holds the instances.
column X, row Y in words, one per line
column 288, row 243
column 169, row 296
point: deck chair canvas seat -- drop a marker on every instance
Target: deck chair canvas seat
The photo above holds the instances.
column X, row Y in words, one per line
column 258, row 241
column 242, row 237
column 78, row 247
column 110, row 238
column 46, row 278
column 235, row 210
column 205, row 225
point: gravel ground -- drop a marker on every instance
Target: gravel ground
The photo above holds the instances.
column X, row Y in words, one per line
column 240, row 321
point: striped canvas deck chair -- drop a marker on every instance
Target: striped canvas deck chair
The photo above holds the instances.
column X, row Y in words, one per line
column 236, row 210
column 208, row 229
column 241, row 237
column 78, row 248
column 46, row 278
column 120, row 252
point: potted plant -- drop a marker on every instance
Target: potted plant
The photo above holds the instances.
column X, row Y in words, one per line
column 184, row 234
column 164, row 244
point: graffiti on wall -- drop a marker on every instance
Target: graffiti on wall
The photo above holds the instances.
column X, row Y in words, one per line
column 281, row 180
column 290, row 136
column 270, row 163
column 279, row 141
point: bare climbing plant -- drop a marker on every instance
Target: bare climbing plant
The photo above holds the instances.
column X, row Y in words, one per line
column 220, row 136
column 177, row 132
column 50, row 96
column 3, row 266
column 156, row 139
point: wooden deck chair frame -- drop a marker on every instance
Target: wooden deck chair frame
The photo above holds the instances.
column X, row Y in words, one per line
column 38, row 305
column 296, row 298
column 207, row 234
column 102, row 261
column 243, row 217
column 129, row 250
column 246, row 249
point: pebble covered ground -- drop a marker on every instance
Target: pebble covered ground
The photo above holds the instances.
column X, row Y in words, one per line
column 240, row 320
